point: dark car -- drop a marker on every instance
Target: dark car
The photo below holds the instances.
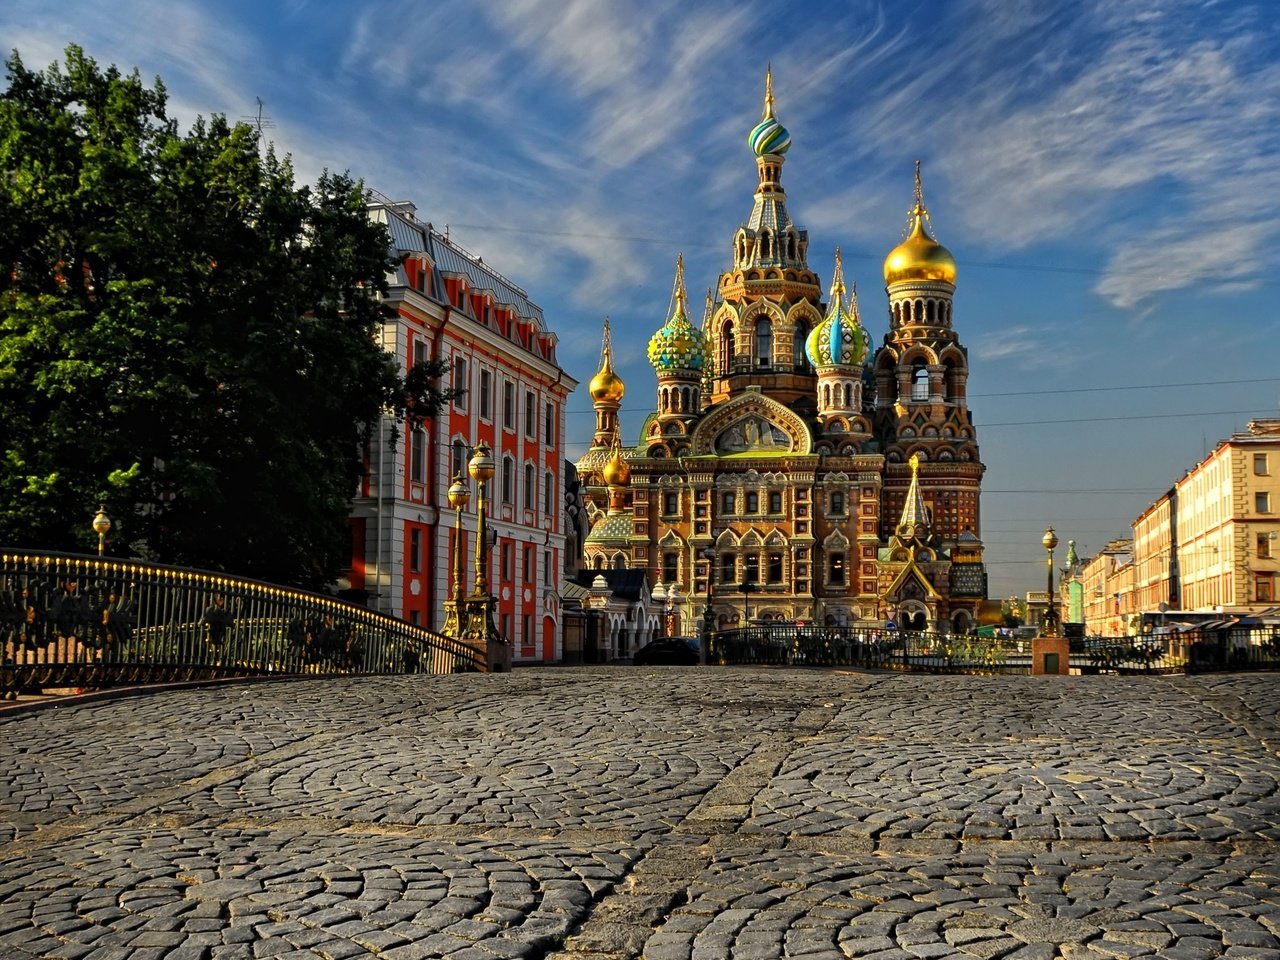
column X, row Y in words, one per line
column 668, row 652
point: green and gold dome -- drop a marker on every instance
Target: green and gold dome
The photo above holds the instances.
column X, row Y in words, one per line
column 678, row 346
column 769, row 136
column 840, row 339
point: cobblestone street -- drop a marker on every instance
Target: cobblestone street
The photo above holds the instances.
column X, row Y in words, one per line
column 667, row 813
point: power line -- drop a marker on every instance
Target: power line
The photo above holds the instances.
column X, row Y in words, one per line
column 1136, row 416
column 677, row 243
column 1145, row 386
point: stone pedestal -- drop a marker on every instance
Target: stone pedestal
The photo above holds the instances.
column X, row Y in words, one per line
column 1050, row 656
column 498, row 656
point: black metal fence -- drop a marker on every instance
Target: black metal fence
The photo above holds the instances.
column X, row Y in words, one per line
column 856, row 647
column 87, row 622
column 1226, row 648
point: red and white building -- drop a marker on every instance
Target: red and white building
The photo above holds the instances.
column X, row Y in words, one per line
column 450, row 306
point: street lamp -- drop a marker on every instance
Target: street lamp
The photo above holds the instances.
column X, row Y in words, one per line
column 459, row 499
column 481, row 631
column 482, row 470
column 708, row 612
column 101, row 524
column 673, row 601
column 1050, row 542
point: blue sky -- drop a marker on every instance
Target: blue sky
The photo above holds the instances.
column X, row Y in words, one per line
column 1106, row 173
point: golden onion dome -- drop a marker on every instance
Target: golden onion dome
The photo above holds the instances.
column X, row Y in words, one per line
column 606, row 386
column 919, row 257
column 616, row 472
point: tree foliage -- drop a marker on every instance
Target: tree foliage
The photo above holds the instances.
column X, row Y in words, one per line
column 185, row 335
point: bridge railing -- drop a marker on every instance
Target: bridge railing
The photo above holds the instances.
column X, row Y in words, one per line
column 81, row 621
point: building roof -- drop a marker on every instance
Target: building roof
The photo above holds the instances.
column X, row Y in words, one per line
column 626, row 584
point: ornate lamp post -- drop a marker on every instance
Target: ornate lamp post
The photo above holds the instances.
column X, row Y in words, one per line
column 1050, row 542
column 455, row 608
column 481, row 630
column 101, row 524
column 708, row 612
column 482, row 470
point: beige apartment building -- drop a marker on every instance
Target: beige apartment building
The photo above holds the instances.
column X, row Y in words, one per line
column 1211, row 544
column 1107, row 579
column 1228, row 525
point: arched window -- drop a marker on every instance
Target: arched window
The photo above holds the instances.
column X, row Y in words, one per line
column 508, row 480
column 766, row 246
column 726, row 348
column 764, row 341
column 919, row 381
column 799, row 358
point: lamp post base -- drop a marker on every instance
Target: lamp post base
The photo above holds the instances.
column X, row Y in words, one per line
column 481, row 634
column 1050, row 656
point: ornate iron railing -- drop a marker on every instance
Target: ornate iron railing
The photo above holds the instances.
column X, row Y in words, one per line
column 86, row 622
column 1230, row 647
column 860, row 647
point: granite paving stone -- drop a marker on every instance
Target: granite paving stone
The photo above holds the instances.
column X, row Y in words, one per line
column 619, row 813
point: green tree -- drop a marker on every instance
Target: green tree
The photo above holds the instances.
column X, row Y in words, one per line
column 185, row 335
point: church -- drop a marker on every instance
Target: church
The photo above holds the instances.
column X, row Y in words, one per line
column 791, row 471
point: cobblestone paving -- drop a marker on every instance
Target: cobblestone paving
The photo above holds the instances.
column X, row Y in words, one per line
column 670, row 814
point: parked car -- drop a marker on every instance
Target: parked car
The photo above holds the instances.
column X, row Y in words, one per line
column 668, row 651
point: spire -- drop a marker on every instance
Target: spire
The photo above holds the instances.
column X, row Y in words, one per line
column 837, row 279
column 914, row 524
column 768, row 92
column 918, row 216
column 678, row 293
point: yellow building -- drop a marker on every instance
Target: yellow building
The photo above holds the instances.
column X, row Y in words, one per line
column 1107, row 588
column 1209, row 545
column 790, row 471
column 1228, row 524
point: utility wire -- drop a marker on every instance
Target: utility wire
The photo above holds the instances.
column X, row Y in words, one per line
column 684, row 244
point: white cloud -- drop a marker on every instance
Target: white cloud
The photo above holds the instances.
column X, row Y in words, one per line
column 1155, row 136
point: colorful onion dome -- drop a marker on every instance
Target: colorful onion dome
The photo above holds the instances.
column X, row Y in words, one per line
column 616, row 472
column 839, row 340
column 606, row 386
column 919, row 257
column 769, row 136
column 678, row 345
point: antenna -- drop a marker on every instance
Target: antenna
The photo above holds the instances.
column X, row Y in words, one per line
column 260, row 120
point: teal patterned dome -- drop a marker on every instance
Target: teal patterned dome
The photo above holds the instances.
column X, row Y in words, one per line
column 769, row 136
column 678, row 345
column 839, row 340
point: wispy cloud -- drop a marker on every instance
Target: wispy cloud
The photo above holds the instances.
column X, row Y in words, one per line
column 1163, row 139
